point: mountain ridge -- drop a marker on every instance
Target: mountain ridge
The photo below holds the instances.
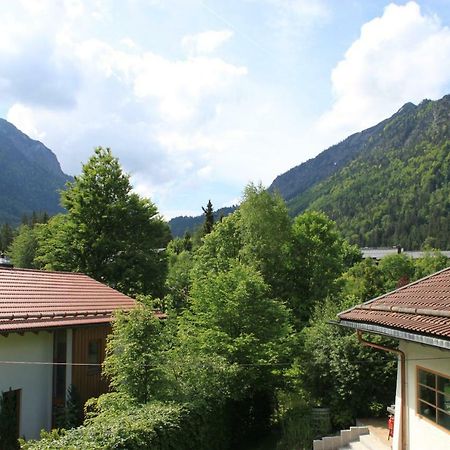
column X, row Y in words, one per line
column 413, row 132
column 30, row 176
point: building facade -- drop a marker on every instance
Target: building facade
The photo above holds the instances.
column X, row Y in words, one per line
column 53, row 330
column 418, row 316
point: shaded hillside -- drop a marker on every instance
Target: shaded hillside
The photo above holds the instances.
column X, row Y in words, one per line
column 30, row 176
column 395, row 189
column 179, row 225
column 302, row 177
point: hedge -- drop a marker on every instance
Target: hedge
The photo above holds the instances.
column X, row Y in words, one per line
column 153, row 426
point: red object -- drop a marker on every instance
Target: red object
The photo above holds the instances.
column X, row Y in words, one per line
column 421, row 307
column 391, row 426
column 34, row 299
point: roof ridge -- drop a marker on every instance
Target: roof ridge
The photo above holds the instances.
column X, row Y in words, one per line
column 368, row 302
column 22, row 269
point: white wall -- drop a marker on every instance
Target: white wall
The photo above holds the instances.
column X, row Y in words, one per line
column 34, row 380
column 423, row 434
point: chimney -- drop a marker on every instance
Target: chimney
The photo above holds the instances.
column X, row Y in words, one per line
column 5, row 261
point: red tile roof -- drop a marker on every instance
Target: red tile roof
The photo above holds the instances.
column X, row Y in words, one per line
column 31, row 299
column 422, row 307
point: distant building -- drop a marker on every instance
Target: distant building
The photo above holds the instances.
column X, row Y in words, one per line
column 380, row 252
column 51, row 323
column 418, row 315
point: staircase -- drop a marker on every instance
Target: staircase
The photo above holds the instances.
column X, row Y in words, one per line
column 356, row 438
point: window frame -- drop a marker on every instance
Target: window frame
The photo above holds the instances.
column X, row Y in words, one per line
column 436, row 392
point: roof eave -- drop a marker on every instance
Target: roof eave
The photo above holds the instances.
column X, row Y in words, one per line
column 396, row 334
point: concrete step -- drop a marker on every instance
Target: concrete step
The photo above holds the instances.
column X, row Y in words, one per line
column 366, row 442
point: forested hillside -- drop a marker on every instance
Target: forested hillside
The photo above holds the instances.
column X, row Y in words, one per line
column 182, row 224
column 30, row 176
column 384, row 186
column 396, row 190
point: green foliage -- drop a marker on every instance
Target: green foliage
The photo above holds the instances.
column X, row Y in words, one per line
column 6, row 237
column 339, row 373
column 317, row 258
column 385, row 186
column 233, row 315
column 398, row 270
column 432, row 261
column 209, row 218
column 22, row 250
column 153, row 426
column 265, row 229
column 70, row 415
column 109, row 233
column 133, row 354
column 180, row 261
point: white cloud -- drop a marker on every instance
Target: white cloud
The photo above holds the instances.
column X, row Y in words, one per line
column 402, row 56
column 23, row 118
column 206, row 42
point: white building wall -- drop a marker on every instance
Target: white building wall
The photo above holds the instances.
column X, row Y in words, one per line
column 35, row 381
column 422, row 434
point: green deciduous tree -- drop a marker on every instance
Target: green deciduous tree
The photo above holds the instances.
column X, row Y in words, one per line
column 317, row 259
column 134, row 354
column 22, row 250
column 109, row 233
column 339, row 373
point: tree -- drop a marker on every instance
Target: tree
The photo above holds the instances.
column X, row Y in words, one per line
column 209, row 218
column 6, row 237
column 339, row 373
column 265, row 228
column 22, row 250
column 232, row 316
column 109, row 233
column 398, row 270
column 317, row 259
column 134, row 354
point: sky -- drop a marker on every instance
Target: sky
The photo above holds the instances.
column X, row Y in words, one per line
column 197, row 98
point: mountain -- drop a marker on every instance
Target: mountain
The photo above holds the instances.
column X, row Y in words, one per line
column 387, row 185
column 30, row 176
column 179, row 225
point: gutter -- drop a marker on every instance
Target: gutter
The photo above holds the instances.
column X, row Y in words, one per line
column 402, row 383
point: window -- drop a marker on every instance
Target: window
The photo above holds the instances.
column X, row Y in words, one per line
column 433, row 397
column 94, row 357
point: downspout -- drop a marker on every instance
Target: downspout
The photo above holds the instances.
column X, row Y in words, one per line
column 402, row 383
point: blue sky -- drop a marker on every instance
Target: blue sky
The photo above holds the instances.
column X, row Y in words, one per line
column 199, row 97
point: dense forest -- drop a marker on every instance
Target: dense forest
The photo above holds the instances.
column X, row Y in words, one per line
column 246, row 348
column 397, row 192
column 387, row 185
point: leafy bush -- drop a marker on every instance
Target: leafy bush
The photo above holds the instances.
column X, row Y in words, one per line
column 118, row 424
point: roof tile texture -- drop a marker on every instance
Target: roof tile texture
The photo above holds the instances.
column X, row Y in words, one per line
column 422, row 307
column 31, row 299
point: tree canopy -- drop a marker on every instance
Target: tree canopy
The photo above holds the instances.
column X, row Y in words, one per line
column 109, row 232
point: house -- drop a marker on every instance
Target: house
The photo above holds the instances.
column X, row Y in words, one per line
column 418, row 316
column 53, row 329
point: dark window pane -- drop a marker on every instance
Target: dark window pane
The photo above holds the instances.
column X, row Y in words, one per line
column 427, row 378
column 443, row 420
column 427, row 411
column 444, row 402
column 94, row 356
column 443, row 384
column 427, row 394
